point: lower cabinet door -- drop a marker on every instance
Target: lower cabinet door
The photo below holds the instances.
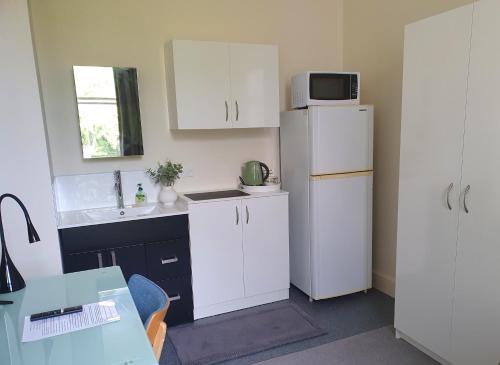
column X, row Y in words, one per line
column 84, row 261
column 216, row 252
column 265, row 244
column 131, row 259
column 181, row 299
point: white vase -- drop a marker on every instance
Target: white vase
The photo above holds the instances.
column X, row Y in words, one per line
column 167, row 196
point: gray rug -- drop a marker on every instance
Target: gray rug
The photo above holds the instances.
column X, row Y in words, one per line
column 377, row 347
column 226, row 337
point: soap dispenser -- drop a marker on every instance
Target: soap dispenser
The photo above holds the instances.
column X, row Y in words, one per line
column 140, row 196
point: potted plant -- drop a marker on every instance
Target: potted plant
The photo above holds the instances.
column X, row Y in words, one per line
column 166, row 175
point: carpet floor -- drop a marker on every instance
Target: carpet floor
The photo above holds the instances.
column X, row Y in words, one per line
column 342, row 317
column 377, row 347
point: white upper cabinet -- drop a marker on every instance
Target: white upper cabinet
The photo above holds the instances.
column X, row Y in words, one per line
column 215, row 85
column 254, row 85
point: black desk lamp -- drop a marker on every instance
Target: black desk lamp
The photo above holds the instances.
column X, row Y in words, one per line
column 10, row 279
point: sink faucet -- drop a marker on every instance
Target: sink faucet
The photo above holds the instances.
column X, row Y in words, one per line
column 118, row 188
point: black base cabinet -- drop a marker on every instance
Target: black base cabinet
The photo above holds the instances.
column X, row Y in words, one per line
column 157, row 248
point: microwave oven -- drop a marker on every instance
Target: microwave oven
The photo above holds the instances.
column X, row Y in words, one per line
column 325, row 88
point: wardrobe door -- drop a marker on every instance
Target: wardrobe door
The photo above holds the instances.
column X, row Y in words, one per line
column 476, row 321
column 433, row 112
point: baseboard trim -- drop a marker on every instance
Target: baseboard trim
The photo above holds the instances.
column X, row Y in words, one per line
column 384, row 283
column 234, row 305
column 425, row 350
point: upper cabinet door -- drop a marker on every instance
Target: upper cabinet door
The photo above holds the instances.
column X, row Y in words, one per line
column 476, row 323
column 199, row 89
column 436, row 54
column 254, row 85
column 265, row 244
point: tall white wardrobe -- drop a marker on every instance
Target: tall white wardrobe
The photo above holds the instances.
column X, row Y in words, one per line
column 448, row 253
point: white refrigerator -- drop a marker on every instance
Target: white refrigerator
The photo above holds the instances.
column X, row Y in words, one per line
column 327, row 167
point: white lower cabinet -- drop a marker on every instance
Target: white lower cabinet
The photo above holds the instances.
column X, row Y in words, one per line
column 239, row 253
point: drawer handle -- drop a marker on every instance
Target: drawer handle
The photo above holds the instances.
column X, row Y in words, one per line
column 175, row 298
column 113, row 257
column 169, row 260
column 99, row 259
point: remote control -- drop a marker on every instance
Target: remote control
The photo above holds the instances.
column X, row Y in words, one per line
column 55, row 313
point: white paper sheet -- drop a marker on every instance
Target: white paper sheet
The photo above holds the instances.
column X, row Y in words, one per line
column 92, row 315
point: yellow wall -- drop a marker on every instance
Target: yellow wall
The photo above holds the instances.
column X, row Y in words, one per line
column 373, row 45
column 133, row 33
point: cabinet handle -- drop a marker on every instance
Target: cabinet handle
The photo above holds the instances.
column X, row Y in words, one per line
column 113, row 257
column 227, row 110
column 99, row 259
column 466, row 192
column 169, row 260
column 237, row 110
column 248, row 214
column 175, row 298
column 450, row 188
column 237, row 216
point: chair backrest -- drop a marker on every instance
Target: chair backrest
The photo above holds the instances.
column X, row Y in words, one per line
column 151, row 302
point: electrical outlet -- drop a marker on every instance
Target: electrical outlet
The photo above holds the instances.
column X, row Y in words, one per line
column 187, row 172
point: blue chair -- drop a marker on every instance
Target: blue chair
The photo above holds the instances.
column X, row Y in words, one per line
column 152, row 304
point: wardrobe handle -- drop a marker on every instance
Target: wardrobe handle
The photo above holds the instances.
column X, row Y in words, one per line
column 113, row 257
column 466, row 192
column 450, row 188
column 248, row 214
column 99, row 259
column 237, row 110
column 237, row 216
column 227, row 110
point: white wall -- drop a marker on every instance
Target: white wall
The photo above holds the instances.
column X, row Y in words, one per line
column 373, row 45
column 24, row 166
column 133, row 33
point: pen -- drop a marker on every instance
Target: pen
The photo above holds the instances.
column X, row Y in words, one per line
column 2, row 302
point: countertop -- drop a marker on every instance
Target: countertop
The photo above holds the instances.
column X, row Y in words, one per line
column 250, row 196
column 79, row 218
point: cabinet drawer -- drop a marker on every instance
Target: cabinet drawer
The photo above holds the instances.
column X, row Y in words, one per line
column 119, row 234
column 181, row 295
column 168, row 259
column 84, row 261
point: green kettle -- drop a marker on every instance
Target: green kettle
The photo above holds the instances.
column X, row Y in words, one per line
column 254, row 173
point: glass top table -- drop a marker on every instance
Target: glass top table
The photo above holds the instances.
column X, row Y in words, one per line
column 119, row 343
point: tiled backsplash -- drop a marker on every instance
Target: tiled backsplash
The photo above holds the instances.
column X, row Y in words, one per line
column 76, row 192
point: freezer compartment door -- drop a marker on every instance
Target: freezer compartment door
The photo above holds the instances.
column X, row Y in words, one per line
column 341, row 139
column 341, row 223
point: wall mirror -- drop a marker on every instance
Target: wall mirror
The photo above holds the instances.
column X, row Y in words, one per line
column 108, row 111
